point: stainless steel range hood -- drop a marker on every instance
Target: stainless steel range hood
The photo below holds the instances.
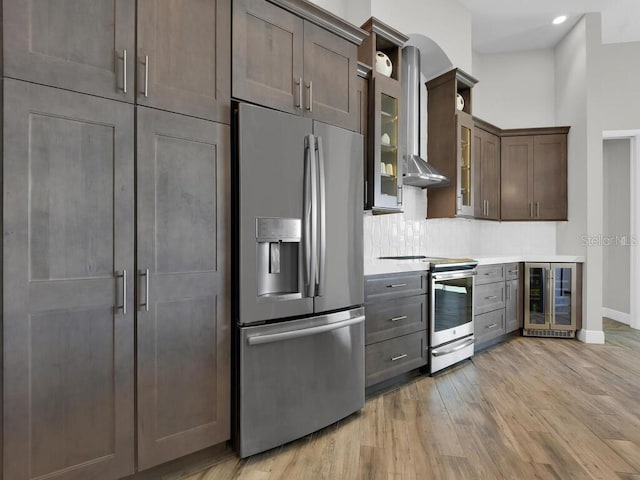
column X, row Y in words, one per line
column 417, row 172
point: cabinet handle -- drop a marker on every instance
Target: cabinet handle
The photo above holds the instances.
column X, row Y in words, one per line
column 492, row 297
column 400, row 194
column 397, row 285
column 493, row 325
column 513, row 271
column 399, row 357
column 459, row 206
column 146, row 75
column 397, row 319
column 538, row 209
column 508, row 291
column 123, row 307
column 299, row 84
column 531, row 210
column 145, row 274
column 491, row 274
column 310, row 104
column 124, row 71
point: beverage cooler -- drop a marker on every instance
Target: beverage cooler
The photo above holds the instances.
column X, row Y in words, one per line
column 552, row 302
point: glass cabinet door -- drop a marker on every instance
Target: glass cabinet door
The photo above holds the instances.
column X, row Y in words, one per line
column 563, row 287
column 465, row 164
column 387, row 168
column 536, row 296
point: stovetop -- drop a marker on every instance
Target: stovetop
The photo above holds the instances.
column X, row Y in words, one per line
column 439, row 263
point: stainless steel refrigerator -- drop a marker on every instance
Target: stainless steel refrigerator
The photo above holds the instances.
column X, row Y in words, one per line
column 300, row 285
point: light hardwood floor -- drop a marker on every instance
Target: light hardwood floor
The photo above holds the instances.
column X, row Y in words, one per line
column 527, row 408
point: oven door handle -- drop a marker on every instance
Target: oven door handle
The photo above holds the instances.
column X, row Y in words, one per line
column 454, row 275
column 439, row 353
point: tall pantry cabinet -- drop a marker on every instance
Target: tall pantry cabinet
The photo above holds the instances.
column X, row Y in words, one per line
column 115, row 322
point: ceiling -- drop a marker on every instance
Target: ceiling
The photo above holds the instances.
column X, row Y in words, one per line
column 516, row 25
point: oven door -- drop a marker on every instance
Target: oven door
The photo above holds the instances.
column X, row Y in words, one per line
column 451, row 306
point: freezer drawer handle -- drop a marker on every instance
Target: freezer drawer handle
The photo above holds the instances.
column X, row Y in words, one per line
column 305, row 332
column 399, row 357
column 439, row 353
column 397, row 285
column 397, row 319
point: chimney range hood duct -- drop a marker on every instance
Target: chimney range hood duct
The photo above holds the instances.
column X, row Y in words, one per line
column 417, row 173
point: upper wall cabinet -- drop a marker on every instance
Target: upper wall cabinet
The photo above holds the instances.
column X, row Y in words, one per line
column 534, row 174
column 183, row 58
column 486, row 151
column 80, row 45
column 283, row 61
column 449, row 144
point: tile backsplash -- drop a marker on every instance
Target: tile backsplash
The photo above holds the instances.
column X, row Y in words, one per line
column 409, row 233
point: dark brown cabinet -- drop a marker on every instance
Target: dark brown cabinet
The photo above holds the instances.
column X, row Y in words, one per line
column 450, row 145
column 77, row 45
column 534, row 174
column 183, row 61
column 284, row 61
column 68, row 269
column 486, row 150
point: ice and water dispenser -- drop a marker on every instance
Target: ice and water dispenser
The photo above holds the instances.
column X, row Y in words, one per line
column 278, row 242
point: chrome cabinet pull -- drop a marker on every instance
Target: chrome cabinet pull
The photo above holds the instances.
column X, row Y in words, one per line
column 145, row 274
column 531, row 210
column 397, row 285
column 123, row 307
column 397, row 319
column 538, row 209
column 399, row 357
column 492, row 297
column 491, row 274
column 400, row 195
column 299, row 100
column 493, row 325
column 146, row 75
column 508, row 291
column 310, row 89
column 124, row 71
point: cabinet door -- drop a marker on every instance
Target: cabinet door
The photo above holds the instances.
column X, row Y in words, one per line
column 68, row 327
column 516, row 173
column 537, row 303
column 465, row 174
column 491, row 175
column 330, row 74
column 184, row 57
column 77, row 45
column 267, row 55
column 564, row 291
column 512, row 306
column 183, row 304
column 384, row 165
column 363, row 128
column 550, row 177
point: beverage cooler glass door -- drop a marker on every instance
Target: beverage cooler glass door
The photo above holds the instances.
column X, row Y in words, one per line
column 563, row 277
column 451, row 305
column 536, row 296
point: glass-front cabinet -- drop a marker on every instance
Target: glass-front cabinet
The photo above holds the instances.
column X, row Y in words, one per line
column 552, row 299
column 386, row 167
column 465, row 179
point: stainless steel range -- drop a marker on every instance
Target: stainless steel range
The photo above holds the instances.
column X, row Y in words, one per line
column 451, row 336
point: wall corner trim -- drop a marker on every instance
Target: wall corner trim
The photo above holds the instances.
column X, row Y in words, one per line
column 591, row 336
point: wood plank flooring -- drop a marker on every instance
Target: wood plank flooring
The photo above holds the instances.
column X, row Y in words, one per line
column 527, row 408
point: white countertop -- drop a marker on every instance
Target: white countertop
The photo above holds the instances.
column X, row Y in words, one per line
column 378, row 267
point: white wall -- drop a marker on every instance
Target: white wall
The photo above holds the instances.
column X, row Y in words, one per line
column 617, row 224
column 620, row 80
column 515, row 90
column 578, row 103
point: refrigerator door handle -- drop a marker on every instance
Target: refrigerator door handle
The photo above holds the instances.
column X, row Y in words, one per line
column 305, row 332
column 309, row 218
column 322, row 233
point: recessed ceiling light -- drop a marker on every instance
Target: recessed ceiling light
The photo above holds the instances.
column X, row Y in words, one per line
column 559, row 19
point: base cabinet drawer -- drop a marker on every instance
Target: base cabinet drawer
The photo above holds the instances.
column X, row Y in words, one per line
column 387, row 359
column 394, row 318
column 490, row 274
column 386, row 287
column 489, row 297
column 489, row 326
column 511, row 271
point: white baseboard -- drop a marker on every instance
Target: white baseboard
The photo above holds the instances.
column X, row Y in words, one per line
column 591, row 336
column 616, row 315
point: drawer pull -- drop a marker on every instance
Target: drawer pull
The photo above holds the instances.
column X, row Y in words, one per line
column 397, row 319
column 492, row 297
column 513, row 271
column 399, row 357
column 491, row 274
column 493, row 325
column 397, row 285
